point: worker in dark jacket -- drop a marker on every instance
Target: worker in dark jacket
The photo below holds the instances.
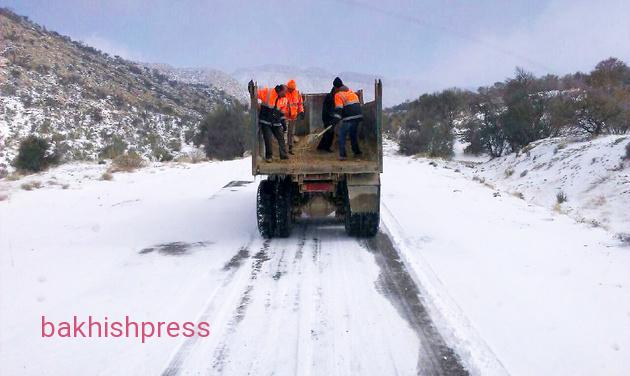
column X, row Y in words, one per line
column 329, row 119
column 272, row 118
column 348, row 110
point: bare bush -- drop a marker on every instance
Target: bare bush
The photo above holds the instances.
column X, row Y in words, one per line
column 29, row 186
column 127, row 162
column 197, row 156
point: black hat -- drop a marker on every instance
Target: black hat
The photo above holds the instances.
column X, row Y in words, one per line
column 337, row 82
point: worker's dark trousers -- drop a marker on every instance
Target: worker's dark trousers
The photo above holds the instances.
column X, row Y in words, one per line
column 290, row 131
column 269, row 131
column 349, row 127
column 327, row 138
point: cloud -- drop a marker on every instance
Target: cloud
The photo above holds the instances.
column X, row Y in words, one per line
column 111, row 47
column 567, row 36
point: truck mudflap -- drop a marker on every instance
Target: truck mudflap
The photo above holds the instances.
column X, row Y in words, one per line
column 364, row 193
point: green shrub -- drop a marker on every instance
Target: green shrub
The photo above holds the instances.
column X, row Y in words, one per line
column 33, row 155
column 224, row 133
column 115, row 148
column 162, row 154
column 561, row 197
column 175, row 144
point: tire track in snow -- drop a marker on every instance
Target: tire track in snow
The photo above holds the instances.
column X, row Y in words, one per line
column 339, row 306
column 300, row 245
column 395, row 283
column 221, row 353
column 232, row 267
column 277, row 317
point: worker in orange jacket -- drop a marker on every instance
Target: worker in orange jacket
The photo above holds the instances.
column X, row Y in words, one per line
column 272, row 118
column 295, row 110
column 348, row 110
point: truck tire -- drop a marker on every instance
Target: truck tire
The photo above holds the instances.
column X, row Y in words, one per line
column 265, row 208
column 361, row 225
column 283, row 207
column 341, row 196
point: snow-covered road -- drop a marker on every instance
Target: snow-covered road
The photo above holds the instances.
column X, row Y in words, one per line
column 181, row 244
column 317, row 303
column 459, row 268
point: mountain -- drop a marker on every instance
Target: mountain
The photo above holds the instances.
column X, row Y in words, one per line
column 206, row 76
column 86, row 102
column 317, row 80
column 310, row 80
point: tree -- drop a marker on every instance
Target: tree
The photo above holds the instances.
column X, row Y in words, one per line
column 523, row 120
column 604, row 107
column 428, row 126
column 609, row 73
column 484, row 129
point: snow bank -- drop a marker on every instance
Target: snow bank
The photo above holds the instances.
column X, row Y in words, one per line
column 592, row 174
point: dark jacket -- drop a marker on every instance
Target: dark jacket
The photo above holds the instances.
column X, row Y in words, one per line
column 328, row 110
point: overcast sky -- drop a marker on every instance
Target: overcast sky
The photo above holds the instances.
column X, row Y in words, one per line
column 451, row 42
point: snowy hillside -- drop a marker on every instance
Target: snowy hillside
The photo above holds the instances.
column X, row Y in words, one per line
column 592, row 175
column 85, row 101
column 317, row 80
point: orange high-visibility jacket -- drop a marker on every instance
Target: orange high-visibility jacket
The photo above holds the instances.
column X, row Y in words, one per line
column 273, row 109
column 295, row 103
column 347, row 105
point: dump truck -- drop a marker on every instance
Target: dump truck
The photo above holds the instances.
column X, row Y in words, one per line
column 313, row 183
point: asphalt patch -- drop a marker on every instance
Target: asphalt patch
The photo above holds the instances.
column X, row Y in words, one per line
column 237, row 183
column 174, row 248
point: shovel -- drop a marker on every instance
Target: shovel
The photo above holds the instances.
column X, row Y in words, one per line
column 314, row 137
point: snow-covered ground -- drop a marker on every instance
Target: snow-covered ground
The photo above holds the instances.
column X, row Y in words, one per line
column 511, row 286
column 178, row 243
column 543, row 294
column 591, row 173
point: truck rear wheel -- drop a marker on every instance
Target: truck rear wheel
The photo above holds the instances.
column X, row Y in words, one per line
column 265, row 208
column 283, row 208
column 363, row 224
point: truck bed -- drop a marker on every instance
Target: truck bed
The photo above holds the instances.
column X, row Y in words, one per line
column 308, row 160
